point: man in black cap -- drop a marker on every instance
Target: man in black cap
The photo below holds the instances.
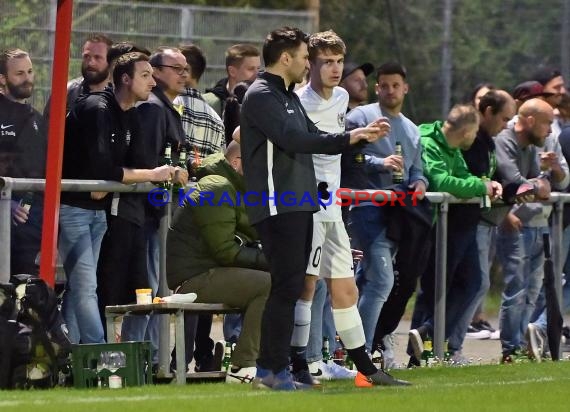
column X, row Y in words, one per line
column 528, row 90
column 353, row 80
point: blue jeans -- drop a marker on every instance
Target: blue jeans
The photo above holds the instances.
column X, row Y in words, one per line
column 522, row 257
column 368, row 229
column 232, row 326
column 80, row 235
column 463, row 285
column 486, row 242
column 322, row 323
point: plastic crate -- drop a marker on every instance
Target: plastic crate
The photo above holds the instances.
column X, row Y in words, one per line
column 136, row 372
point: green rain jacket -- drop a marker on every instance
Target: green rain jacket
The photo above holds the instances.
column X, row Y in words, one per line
column 212, row 228
column 445, row 167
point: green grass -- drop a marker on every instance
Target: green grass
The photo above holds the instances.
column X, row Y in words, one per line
column 522, row 387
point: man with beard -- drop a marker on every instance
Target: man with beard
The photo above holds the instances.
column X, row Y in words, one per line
column 23, row 148
column 519, row 238
column 277, row 140
column 381, row 162
column 94, row 70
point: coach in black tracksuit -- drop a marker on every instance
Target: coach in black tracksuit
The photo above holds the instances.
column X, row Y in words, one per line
column 277, row 141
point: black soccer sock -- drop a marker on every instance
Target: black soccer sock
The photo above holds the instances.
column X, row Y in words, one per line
column 299, row 358
column 361, row 360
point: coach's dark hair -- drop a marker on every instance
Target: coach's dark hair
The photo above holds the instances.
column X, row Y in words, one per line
column 285, row 39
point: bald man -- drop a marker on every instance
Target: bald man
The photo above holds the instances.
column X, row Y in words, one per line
column 523, row 158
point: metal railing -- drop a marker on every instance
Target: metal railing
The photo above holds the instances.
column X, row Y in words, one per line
column 442, row 200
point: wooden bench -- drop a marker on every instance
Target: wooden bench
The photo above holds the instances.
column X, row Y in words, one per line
column 176, row 309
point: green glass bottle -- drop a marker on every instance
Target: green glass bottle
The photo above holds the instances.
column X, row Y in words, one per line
column 167, row 160
column 398, row 175
column 485, row 199
column 446, row 352
column 428, row 358
column 227, row 360
column 326, row 350
column 182, row 165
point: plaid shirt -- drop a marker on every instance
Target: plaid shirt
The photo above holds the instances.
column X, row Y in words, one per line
column 203, row 127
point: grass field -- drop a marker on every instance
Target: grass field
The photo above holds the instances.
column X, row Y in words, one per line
column 518, row 388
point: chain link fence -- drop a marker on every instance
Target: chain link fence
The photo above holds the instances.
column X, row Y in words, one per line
column 30, row 25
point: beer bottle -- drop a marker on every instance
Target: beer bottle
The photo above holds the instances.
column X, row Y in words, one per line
column 182, row 165
column 427, row 355
column 446, row 352
column 326, row 350
column 338, row 354
column 485, row 199
column 397, row 175
column 167, row 160
column 226, row 361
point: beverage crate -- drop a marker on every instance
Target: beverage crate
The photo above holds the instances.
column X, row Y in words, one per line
column 137, row 370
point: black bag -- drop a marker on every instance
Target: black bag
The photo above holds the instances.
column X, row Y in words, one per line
column 34, row 344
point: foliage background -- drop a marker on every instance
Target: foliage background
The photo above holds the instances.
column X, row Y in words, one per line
column 502, row 41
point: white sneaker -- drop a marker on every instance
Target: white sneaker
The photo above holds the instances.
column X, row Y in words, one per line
column 535, row 339
column 330, row 371
column 241, row 375
column 496, row 335
column 480, row 334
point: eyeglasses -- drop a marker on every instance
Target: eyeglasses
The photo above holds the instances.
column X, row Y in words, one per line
column 179, row 70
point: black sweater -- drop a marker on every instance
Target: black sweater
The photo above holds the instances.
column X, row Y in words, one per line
column 98, row 140
column 277, row 142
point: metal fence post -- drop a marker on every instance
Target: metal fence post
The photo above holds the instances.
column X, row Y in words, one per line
column 5, row 222
column 164, row 322
column 440, row 278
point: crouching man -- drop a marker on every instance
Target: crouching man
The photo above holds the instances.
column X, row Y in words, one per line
column 213, row 251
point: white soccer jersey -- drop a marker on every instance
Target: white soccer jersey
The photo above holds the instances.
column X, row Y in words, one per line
column 328, row 116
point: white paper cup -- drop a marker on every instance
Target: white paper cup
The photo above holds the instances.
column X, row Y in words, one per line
column 144, row 296
column 115, row 382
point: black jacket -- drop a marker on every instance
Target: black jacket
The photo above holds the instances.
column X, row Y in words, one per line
column 99, row 139
column 23, row 140
column 160, row 123
column 277, row 140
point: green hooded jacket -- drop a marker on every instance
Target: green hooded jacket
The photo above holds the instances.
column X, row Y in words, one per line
column 445, row 167
column 212, row 228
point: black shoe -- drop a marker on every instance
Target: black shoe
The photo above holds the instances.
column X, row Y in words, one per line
column 205, row 364
column 482, row 325
column 379, row 378
column 305, row 377
column 413, row 362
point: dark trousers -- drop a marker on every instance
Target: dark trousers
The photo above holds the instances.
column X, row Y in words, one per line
column 286, row 240
column 122, row 264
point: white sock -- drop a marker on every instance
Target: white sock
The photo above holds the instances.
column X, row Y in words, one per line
column 349, row 327
column 300, row 337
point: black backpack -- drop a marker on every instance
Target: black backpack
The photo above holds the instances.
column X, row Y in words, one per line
column 34, row 344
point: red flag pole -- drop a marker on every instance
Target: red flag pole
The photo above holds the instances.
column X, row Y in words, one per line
column 55, row 140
